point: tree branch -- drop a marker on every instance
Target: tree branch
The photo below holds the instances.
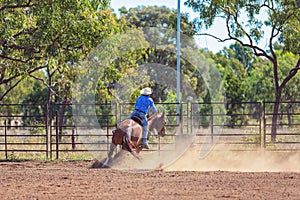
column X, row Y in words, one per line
column 7, row 91
column 19, row 74
column 14, row 46
column 15, row 59
column 44, row 82
column 255, row 48
column 17, row 6
column 213, row 36
column 271, row 43
column 292, row 73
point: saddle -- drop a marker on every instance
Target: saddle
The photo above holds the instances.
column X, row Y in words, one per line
column 137, row 120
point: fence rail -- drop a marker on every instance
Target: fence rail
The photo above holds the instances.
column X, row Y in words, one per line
column 50, row 132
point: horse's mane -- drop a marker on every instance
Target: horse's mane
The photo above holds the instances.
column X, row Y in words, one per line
column 153, row 116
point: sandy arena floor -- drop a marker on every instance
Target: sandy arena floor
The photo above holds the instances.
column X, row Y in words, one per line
column 215, row 177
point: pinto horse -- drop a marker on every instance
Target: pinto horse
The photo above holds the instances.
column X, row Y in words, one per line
column 129, row 134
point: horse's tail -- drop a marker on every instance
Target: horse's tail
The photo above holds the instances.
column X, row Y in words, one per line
column 128, row 145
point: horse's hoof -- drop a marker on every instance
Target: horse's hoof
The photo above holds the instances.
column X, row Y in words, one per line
column 145, row 146
column 99, row 164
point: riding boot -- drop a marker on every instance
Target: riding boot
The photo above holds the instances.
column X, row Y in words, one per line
column 144, row 139
column 145, row 143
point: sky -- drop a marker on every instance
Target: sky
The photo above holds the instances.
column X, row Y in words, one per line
column 218, row 28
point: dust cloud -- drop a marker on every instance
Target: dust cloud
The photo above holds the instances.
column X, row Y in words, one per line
column 243, row 161
column 184, row 155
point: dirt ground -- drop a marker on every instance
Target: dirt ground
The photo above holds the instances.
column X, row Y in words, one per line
column 224, row 176
column 76, row 180
column 220, row 175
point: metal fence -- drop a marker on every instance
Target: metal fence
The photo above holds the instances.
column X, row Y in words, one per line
column 60, row 131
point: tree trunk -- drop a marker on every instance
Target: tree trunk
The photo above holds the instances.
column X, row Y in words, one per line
column 49, row 107
column 275, row 115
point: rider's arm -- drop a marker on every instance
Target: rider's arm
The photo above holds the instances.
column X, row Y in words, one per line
column 152, row 106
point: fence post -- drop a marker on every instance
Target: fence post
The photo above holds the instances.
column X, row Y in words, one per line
column 212, row 124
column 47, row 132
column 107, row 131
column 50, row 108
column 264, row 125
column 159, row 145
column 187, row 118
column 180, row 117
column 260, row 125
column 116, row 112
column 56, row 134
column 5, row 139
column 73, row 139
column 191, row 117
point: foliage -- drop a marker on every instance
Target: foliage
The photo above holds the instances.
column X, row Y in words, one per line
column 43, row 45
column 170, row 106
column 52, row 38
column 234, row 74
column 246, row 21
column 49, row 35
column 162, row 53
column 260, row 80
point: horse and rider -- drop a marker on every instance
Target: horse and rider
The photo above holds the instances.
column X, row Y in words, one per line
column 132, row 134
column 143, row 104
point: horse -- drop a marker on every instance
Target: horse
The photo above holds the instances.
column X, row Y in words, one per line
column 129, row 134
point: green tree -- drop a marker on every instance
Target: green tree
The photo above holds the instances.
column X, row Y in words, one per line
column 234, row 75
column 282, row 18
column 165, row 22
column 239, row 52
column 259, row 82
column 52, row 35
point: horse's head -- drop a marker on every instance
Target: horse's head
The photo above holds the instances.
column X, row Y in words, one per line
column 158, row 122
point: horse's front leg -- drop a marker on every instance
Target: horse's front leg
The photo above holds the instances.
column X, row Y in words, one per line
column 111, row 150
column 110, row 153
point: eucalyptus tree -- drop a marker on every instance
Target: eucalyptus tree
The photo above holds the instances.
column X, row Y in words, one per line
column 234, row 75
column 49, row 35
column 260, row 88
column 52, row 36
column 246, row 22
column 165, row 22
column 239, row 52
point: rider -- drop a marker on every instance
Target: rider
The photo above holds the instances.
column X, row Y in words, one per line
column 143, row 104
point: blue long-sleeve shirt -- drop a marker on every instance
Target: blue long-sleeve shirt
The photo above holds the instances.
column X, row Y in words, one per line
column 144, row 103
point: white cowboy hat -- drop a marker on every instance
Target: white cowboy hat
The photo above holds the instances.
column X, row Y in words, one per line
column 146, row 91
